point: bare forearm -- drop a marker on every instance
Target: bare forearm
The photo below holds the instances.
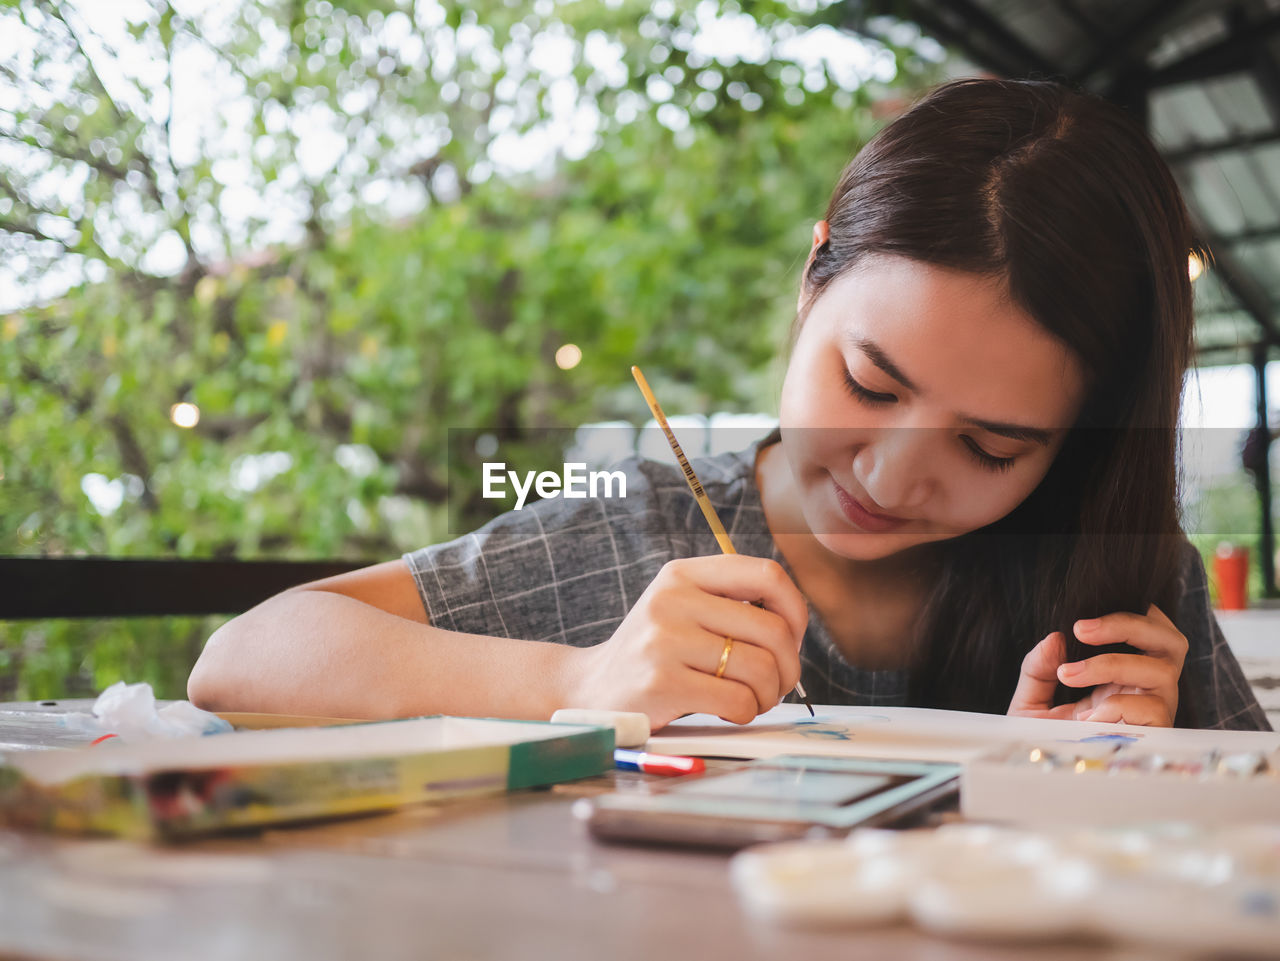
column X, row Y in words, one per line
column 315, row 652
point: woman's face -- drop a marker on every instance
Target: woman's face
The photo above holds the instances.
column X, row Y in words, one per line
column 920, row 404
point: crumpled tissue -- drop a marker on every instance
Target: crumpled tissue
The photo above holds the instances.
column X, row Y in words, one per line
column 129, row 711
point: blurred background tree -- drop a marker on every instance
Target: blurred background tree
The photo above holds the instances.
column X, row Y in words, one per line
column 334, row 230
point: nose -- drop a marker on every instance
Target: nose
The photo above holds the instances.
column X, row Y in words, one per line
column 894, row 468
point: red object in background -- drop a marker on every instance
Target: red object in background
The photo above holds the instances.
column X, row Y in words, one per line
column 1231, row 573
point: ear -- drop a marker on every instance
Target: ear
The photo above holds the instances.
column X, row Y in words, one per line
column 821, row 232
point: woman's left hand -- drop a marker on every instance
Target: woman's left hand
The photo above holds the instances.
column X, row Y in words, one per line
column 1131, row 688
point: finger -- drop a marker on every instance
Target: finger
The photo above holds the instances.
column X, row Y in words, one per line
column 746, row 578
column 730, row 700
column 723, row 617
column 1038, row 679
column 746, row 664
column 1063, row 712
column 1142, row 709
column 1160, row 616
column 1076, row 710
column 1146, row 633
column 1127, row 670
column 1181, row 645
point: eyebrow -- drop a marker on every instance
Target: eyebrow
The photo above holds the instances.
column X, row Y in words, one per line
column 1036, row 435
column 881, row 360
column 877, row 356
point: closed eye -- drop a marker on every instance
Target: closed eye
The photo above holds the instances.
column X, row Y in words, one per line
column 989, row 461
column 866, row 396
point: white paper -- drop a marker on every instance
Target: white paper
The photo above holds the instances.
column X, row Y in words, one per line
column 917, row 734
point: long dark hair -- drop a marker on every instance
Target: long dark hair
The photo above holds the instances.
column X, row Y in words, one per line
column 1062, row 196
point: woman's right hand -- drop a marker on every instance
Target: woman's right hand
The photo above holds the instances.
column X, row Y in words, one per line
column 662, row 659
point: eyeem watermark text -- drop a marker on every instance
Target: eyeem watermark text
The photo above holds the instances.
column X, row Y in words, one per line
column 574, row 481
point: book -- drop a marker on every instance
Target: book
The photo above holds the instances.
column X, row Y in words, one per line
column 185, row 787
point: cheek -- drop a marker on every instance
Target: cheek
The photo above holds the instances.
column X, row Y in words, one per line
column 813, row 394
column 796, row 405
column 978, row 499
column 816, row 400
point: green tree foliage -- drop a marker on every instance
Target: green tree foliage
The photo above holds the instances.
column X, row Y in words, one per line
column 328, row 256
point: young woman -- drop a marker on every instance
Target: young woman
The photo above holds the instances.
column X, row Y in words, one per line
column 970, row 503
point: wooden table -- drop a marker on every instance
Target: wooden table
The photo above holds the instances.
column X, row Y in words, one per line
column 512, row 877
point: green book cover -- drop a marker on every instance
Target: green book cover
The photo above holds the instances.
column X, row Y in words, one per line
column 173, row 789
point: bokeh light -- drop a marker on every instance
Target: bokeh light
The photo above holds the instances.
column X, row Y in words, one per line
column 568, row 356
column 185, row 415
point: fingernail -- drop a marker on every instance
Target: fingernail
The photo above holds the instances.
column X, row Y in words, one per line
column 1071, row 670
column 1088, row 625
column 1085, row 716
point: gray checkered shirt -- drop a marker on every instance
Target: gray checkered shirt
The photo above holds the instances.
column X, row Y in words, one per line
column 569, row 570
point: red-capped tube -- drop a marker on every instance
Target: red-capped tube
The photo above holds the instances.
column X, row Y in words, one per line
column 671, row 765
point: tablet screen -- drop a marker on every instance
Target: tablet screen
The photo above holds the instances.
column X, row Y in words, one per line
column 790, row 785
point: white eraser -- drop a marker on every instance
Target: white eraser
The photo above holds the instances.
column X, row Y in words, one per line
column 629, row 729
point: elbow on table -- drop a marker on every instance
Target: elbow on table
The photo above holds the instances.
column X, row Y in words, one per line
column 210, row 685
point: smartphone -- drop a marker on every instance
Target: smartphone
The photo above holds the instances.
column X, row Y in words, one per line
column 778, row 799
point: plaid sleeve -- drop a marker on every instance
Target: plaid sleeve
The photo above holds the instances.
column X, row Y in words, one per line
column 558, row 570
column 1213, row 691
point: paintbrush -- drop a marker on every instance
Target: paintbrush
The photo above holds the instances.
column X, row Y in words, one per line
column 704, row 502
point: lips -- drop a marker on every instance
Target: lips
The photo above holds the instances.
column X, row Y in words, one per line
column 859, row 516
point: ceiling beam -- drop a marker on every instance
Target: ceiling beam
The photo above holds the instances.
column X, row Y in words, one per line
column 1221, row 355
column 1237, row 53
column 939, row 23
column 1266, row 74
column 1251, row 236
column 997, row 32
column 1086, row 24
column 1141, row 32
column 1227, row 144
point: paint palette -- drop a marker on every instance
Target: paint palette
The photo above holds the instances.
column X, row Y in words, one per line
column 1186, row 889
column 1113, row 781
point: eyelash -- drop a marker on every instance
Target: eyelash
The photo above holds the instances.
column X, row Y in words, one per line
column 1000, row 464
column 866, row 396
column 874, row 399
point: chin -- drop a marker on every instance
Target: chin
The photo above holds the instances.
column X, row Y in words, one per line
column 858, row 546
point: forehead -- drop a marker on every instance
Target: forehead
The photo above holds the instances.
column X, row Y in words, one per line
column 958, row 337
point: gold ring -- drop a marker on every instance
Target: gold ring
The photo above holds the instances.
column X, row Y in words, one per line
column 724, row 656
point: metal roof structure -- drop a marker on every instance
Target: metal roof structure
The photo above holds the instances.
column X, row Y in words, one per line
column 1205, row 77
